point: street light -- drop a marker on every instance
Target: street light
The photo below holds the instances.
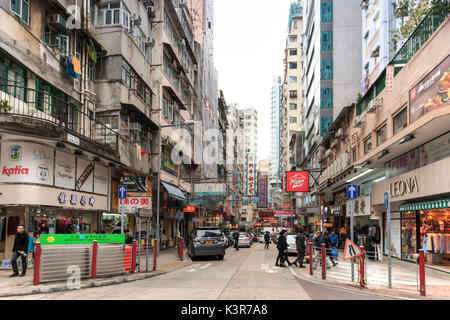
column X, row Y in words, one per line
column 185, row 123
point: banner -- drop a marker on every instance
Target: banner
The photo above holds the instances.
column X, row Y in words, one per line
column 54, row 239
column 284, row 213
column 210, row 189
column 297, row 181
column 133, row 204
column 431, row 93
column 166, row 160
column 251, row 174
column 262, row 190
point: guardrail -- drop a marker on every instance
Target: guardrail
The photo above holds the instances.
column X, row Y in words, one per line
column 42, row 105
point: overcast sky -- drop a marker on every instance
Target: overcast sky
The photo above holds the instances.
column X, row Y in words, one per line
column 249, row 41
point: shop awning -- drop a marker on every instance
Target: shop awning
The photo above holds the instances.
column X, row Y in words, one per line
column 174, row 192
column 426, row 205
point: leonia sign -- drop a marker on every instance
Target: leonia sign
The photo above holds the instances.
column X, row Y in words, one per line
column 297, row 181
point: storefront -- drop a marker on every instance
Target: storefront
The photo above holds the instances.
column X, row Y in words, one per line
column 49, row 190
column 171, row 214
column 420, row 210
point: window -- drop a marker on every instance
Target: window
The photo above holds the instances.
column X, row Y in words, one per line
column 368, row 145
column 293, row 79
column 293, row 94
column 325, row 124
column 326, row 40
column 293, row 106
column 292, row 65
column 326, row 12
column 400, row 121
column 293, row 52
column 64, row 45
column 292, row 38
column 326, row 69
column 292, row 119
column 22, row 9
column 295, row 25
column 354, row 154
column 113, row 13
column 135, row 82
column 326, row 98
column 381, row 135
column 92, row 12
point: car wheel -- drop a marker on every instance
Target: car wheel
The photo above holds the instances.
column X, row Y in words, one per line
column 193, row 258
column 221, row 257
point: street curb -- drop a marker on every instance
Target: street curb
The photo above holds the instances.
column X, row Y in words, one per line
column 295, row 274
column 93, row 283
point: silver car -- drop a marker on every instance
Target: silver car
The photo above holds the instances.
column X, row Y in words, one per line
column 292, row 247
column 244, row 240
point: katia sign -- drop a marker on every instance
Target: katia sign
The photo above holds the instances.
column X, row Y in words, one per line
column 15, row 171
column 297, row 181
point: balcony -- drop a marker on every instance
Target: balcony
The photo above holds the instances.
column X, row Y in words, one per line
column 40, row 105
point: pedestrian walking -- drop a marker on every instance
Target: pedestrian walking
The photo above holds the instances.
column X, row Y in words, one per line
column 334, row 238
column 236, row 240
column 31, row 242
column 300, row 242
column 328, row 248
column 267, row 240
column 318, row 240
column 282, row 247
column 20, row 249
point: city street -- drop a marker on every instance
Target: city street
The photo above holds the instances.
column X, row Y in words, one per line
column 247, row 274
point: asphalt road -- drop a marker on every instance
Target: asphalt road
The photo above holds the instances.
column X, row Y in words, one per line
column 247, row 274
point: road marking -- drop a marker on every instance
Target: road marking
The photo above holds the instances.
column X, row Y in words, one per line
column 206, row 266
column 268, row 269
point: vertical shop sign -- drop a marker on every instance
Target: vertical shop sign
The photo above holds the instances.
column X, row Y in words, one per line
column 85, row 178
column 389, row 78
column 251, row 174
column 262, row 190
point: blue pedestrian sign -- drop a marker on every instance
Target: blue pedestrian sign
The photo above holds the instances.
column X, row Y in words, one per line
column 352, row 191
column 386, row 200
column 122, row 191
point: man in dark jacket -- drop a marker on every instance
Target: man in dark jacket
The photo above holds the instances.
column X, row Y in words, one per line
column 20, row 249
column 300, row 242
column 267, row 240
column 236, row 240
column 282, row 247
column 318, row 240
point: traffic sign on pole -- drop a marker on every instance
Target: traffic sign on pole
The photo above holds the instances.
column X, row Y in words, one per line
column 386, row 200
column 122, row 191
column 352, row 191
column 351, row 250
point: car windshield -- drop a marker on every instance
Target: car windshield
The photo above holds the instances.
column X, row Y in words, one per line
column 242, row 235
column 208, row 233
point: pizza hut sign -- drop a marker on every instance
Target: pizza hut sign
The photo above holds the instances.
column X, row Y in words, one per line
column 297, row 181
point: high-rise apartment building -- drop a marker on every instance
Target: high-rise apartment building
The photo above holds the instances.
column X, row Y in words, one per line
column 275, row 130
column 291, row 100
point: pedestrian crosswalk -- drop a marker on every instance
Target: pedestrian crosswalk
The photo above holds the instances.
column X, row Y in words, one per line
column 197, row 267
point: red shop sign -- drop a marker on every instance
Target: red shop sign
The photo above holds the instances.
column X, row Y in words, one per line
column 297, row 181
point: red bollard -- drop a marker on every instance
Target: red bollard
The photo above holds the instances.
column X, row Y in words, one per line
column 94, row 260
column 37, row 264
column 323, row 261
column 422, row 272
column 362, row 281
column 133, row 257
column 155, row 255
column 310, row 258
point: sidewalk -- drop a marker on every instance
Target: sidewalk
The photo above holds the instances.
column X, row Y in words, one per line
column 405, row 279
column 167, row 261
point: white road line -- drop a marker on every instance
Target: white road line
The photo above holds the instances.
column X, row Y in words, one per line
column 206, row 266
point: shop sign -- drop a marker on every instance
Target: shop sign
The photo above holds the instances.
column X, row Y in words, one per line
column 27, row 163
column 297, row 181
column 284, row 213
column 361, row 206
column 133, row 204
column 433, row 92
column 251, row 174
column 64, row 170
column 405, row 186
column 389, row 78
column 85, row 177
column 100, row 179
column 210, row 189
column 73, row 139
column 189, row 209
column 402, row 164
column 166, row 160
column 286, row 205
column 435, row 150
column 262, row 190
column 134, row 183
column 58, row 239
column 73, row 199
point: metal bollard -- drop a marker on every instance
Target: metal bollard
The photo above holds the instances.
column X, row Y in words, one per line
column 156, row 254
column 133, row 257
column 310, row 258
column 323, row 261
column 422, row 272
column 181, row 249
column 94, row 260
column 37, row 264
column 361, row 268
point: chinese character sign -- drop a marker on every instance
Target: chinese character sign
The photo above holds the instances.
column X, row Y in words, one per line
column 251, row 174
column 262, row 190
column 133, row 204
column 389, row 78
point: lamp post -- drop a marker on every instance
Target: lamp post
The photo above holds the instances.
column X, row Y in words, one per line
column 185, row 123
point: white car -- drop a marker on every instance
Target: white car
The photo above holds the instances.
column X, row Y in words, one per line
column 261, row 238
column 290, row 239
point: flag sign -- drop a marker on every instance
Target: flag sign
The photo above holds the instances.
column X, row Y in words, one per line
column 351, row 250
column 386, row 200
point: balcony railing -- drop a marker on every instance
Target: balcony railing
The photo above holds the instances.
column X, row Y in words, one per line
column 44, row 106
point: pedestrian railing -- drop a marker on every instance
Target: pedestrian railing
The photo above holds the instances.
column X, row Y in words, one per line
column 72, row 263
column 368, row 270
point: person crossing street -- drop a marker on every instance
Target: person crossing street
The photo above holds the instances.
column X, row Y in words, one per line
column 300, row 242
column 267, row 240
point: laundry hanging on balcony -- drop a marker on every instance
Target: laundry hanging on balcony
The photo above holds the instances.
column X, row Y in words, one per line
column 70, row 67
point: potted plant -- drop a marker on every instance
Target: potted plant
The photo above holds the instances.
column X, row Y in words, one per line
column 4, row 106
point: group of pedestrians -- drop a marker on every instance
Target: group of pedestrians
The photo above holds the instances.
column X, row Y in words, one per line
column 331, row 244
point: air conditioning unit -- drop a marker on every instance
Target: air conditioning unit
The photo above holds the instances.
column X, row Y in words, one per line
column 150, row 42
column 339, row 133
column 358, row 122
column 365, row 4
column 135, row 126
column 151, row 12
column 137, row 20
